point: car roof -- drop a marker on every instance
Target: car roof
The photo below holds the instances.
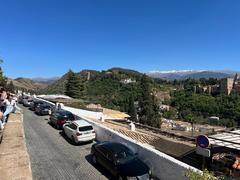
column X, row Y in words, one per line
column 63, row 112
column 81, row 123
column 45, row 105
column 40, row 102
column 114, row 147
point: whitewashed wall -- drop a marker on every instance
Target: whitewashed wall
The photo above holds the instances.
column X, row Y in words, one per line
column 163, row 167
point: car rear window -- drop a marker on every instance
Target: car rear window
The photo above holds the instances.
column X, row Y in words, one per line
column 86, row 128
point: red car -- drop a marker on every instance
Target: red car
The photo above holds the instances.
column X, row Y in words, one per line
column 59, row 118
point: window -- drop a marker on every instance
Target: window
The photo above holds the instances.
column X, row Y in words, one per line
column 73, row 126
column 67, row 115
column 86, row 128
column 124, row 156
column 102, row 150
column 70, row 116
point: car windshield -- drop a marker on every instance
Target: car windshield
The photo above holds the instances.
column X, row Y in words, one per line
column 46, row 107
column 38, row 103
column 67, row 115
column 124, row 156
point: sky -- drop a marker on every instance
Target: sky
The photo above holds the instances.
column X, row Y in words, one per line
column 46, row 38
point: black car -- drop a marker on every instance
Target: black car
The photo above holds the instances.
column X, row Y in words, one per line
column 120, row 161
column 34, row 104
column 60, row 117
column 43, row 109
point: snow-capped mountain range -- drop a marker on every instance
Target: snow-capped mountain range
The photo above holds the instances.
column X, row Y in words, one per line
column 194, row 74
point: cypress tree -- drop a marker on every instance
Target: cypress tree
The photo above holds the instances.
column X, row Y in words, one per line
column 131, row 109
column 74, row 85
column 3, row 81
column 149, row 111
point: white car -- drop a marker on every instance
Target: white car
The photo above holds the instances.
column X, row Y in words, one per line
column 79, row 131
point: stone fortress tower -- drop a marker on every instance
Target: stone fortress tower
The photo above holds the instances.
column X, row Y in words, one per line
column 229, row 85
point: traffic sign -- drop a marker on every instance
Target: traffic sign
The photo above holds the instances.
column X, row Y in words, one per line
column 203, row 151
column 202, row 141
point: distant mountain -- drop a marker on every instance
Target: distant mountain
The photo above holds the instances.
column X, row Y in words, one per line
column 27, row 84
column 207, row 75
column 57, row 86
column 32, row 83
column 192, row 74
column 47, row 81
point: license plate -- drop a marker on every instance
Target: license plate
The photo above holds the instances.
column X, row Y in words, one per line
column 87, row 133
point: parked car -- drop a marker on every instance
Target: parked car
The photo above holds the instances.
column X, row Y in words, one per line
column 120, row 161
column 60, row 117
column 43, row 109
column 34, row 104
column 21, row 98
column 79, row 131
column 27, row 102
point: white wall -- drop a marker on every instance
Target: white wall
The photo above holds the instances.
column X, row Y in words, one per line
column 163, row 167
column 84, row 113
column 39, row 99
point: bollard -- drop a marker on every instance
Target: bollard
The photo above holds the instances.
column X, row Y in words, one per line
column 132, row 126
column 102, row 119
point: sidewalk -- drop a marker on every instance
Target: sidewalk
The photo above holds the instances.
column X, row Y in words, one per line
column 14, row 158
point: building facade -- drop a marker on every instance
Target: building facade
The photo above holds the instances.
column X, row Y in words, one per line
column 226, row 86
column 229, row 85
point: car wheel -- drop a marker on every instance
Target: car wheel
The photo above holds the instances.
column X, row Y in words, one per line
column 63, row 132
column 94, row 159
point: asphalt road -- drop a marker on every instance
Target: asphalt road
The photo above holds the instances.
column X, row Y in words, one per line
column 53, row 156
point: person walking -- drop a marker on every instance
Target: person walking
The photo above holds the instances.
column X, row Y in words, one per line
column 1, row 121
column 2, row 98
column 9, row 108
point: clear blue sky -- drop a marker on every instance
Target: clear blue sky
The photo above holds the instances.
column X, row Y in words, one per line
column 48, row 37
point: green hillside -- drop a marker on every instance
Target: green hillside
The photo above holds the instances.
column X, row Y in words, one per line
column 105, row 87
column 58, row 87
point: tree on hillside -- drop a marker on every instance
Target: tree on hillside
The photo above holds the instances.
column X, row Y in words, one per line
column 149, row 111
column 131, row 109
column 3, row 81
column 10, row 87
column 74, row 85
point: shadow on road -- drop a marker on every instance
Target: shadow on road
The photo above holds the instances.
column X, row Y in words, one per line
column 53, row 126
column 103, row 171
column 40, row 114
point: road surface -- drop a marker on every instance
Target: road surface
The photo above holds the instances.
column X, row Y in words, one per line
column 53, row 156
